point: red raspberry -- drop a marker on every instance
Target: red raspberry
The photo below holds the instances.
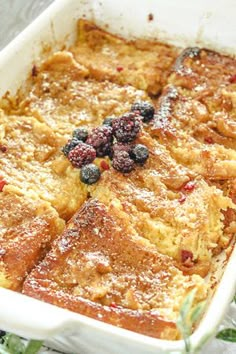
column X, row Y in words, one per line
column 81, row 155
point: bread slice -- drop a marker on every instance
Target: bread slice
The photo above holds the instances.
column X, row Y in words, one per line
column 32, row 164
column 101, row 268
column 175, row 124
column 140, row 63
column 180, row 214
column 27, row 228
column 64, row 98
column 209, row 79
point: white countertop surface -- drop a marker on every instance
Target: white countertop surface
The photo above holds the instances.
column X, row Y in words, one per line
column 15, row 15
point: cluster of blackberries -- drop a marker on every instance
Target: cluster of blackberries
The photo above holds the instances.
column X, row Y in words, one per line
column 84, row 147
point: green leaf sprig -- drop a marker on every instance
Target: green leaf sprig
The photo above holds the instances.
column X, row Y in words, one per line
column 12, row 344
column 188, row 316
column 228, row 334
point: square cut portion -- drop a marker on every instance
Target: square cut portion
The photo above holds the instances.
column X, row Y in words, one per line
column 140, row 63
column 103, row 269
column 27, row 228
column 175, row 125
column 209, row 78
column 180, row 214
column 63, row 97
column 32, row 164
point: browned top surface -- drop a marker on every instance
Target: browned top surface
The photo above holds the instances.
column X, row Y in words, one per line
column 210, row 79
column 33, row 164
column 62, row 96
column 183, row 125
column 142, row 64
column 101, row 260
column 27, row 228
column 199, row 69
column 154, row 199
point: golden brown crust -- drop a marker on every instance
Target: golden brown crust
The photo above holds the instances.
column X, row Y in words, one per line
column 106, row 271
column 27, row 228
column 142, row 64
column 167, row 213
column 34, row 165
column 64, row 98
column 177, row 120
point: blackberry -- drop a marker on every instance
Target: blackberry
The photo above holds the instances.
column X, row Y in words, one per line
column 145, row 109
column 127, row 127
column 71, row 144
column 80, row 134
column 108, row 121
column 122, row 162
column 101, row 139
column 116, row 148
column 81, row 155
column 139, row 153
column 90, row 174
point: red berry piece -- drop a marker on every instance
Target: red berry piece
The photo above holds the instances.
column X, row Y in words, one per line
column 34, row 70
column 127, row 127
column 189, row 187
column 101, row 139
column 2, row 184
column 113, row 305
column 122, row 162
column 209, row 140
column 3, row 148
column 187, row 258
column 232, row 79
column 182, row 199
column 119, row 68
column 104, row 165
column 81, row 155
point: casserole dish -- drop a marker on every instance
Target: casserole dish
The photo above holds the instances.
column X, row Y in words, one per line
column 70, row 332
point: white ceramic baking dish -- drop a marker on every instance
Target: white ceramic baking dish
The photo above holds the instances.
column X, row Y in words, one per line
column 207, row 23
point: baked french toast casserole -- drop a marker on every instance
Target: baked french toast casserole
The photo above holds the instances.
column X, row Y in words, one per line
column 118, row 179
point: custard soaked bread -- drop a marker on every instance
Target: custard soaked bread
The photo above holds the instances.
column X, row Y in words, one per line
column 32, row 164
column 181, row 215
column 27, row 228
column 142, row 64
column 175, row 123
column 208, row 78
column 103, row 269
column 63, row 97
